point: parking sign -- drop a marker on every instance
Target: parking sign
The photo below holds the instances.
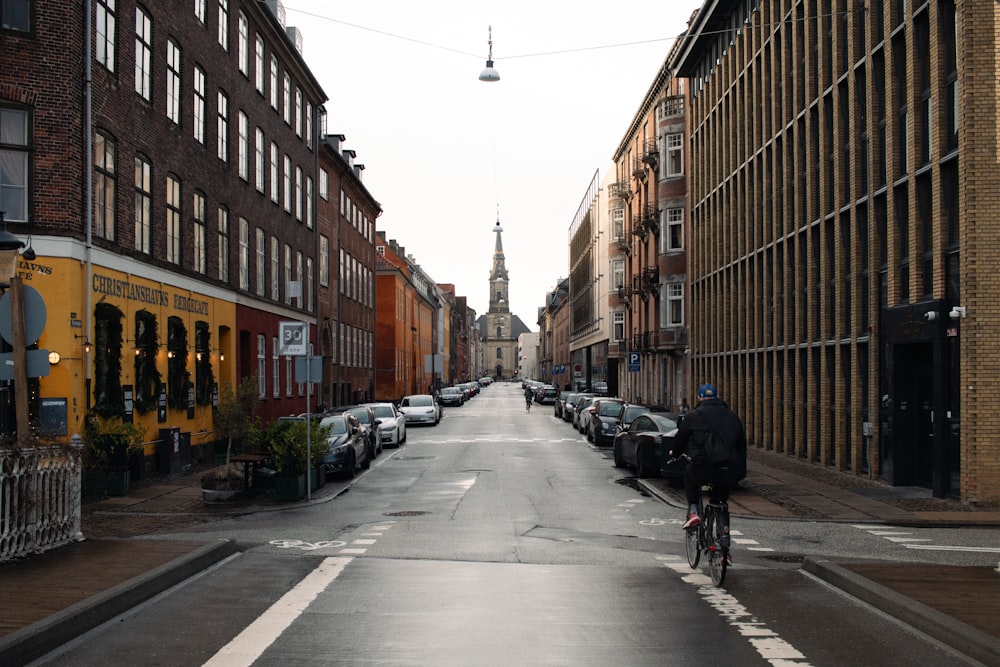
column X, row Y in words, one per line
column 294, row 339
column 634, row 362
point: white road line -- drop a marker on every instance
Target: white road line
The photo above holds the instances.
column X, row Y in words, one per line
column 900, row 540
column 352, row 552
column 936, row 547
column 363, row 542
column 254, row 640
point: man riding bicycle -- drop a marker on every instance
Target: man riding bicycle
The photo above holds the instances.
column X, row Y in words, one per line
column 529, row 394
column 715, row 442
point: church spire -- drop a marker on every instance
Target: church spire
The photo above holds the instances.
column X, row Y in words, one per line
column 498, row 276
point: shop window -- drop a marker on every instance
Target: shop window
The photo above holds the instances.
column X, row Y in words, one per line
column 204, row 376
column 147, row 375
column 109, row 399
column 178, row 377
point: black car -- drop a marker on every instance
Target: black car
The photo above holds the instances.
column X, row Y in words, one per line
column 643, row 445
column 604, row 421
column 451, row 396
column 369, row 424
column 349, row 448
column 559, row 407
column 546, row 394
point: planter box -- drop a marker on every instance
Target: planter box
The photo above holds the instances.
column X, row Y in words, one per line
column 289, row 488
column 318, row 478
column 220, row 496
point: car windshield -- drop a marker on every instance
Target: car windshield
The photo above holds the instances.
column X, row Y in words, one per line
column 336, row 425
column 451, row 390
column 383, row 411
column 663, row 424
column 363, row 415
column 420, row 401
column 610, row 409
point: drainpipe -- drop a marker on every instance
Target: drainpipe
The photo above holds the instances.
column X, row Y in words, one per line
column 88, row 162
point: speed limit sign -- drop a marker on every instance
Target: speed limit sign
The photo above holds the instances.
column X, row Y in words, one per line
column 294, row 339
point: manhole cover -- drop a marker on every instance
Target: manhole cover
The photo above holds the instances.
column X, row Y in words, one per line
column 406, row 513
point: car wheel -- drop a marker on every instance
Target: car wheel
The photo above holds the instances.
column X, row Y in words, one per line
column 590, row 435
column 619, row 463
column 370, row 454
column 640, row 467
column 352, row 464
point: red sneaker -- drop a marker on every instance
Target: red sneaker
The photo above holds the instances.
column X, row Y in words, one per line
column 693, row 522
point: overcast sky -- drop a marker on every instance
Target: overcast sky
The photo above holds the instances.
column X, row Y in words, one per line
column 446, row 154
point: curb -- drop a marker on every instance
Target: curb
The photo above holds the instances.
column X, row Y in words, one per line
column 945, row 629
column 34, row 641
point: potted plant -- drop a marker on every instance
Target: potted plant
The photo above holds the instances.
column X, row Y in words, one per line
column 108, row 444
column 234, row 419
column 289, row 442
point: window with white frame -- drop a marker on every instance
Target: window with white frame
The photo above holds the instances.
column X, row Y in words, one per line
column 222, row 127
column 173, row 220
column 618, row 326
column 324, row 185
column 672, row 295
column 309, row 202
column 287, row 178
column 173, row 82
column 243, row 45
column 244, row 255
column 198, row 86
column 274, row 83
column 324, row 261
column 275, row 368
column 618, row 223
column 298, row 276
column 261, row 366
column 674, row 238
column 16, row 15
column 259, row 159
column 259, row 72
column 243, row 146
column 288, row 273
column 223, row 244
column 617, row 274
column 298, row 193
column 198, row 232
column 275, row 268
column 104, row 185
column 309, row 124
column 298, row 112
column 104, row 26
column 199, row 10
column 287, row 99
column 143, row 54
column 309, row 284
column 275, row 174
column 289, row 377
column 261, row 251
column 674, row 147
column 143, row 203
column 224, row 25
column 15, row 151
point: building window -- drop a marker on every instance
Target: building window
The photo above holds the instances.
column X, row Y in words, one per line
column 617, row 274
column 261, row 251
column 674, row 163
column 309, row 202
column 14, row 152
column 275, row 269
column 287, row 178
column 204, row 377
column 324, row 185
column 673, row 296
column 224, row 24
column 274, row 83
column 287, row 99
column 324, row 261
column 222, row 127
column 242, row 45
column 298, row 193
column 173, row 82
column 198, row 231
column 178, row 377
column 244, row 255
column 199, row 10
column 104, row 21
column 499, row 351
column 289, row 378
column 618, row 326
column 261, row 366
column 674, row 238
column 298, row 112
column 309, row 125
column 199, row 105
column 104, row 186
column 243, row 146
column 143, row 203
column 173, row 220
column 298, row 276
column 288, row 273
column 16, row 15
column 259, row 159
column 618, row 223
column 275, row 174
column 223, row 244
column 143, row 54
column 309, row 284
column 259, row 72
column 275, row 368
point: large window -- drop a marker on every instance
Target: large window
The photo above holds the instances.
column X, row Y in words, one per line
column 298, row 193
column 198, row 232
column 324, row 261
column 287, row 178
column 104, row 186
column 288, row 273
column 275, row 368
column 243, row 147
column 618, row 326
column 173, row 220
column 674, row 238
column 224, row 24
column 617, row 274
column 104, row 20
column 259, row 72
column 222, row 127
column 674, row 146
column 274, row 83
column 287, row 99
column 14, row 134
column 244, row 254
column 309, row 284
column 275, row 268
column 173, row 82
column 261, row 251
column 199, row 105
column 223, row 244
column 259, row 159
column 15, row 15
column 143, row 203
column 143, row 54
column 275, row 174
column 673, row 298
column 618, row 223
column 261, row 366
column 243, row 46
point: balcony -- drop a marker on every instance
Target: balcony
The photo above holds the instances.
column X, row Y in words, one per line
column 650, row 153
column 671, row 107
column 639, row 169
column 625, row 296
column 620, row 190
column 620, row 244
column 650, row 280
column 650, row 218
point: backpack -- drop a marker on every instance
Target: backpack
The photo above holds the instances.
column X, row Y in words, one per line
column 718, row 452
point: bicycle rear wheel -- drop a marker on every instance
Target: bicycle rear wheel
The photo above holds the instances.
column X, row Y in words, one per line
column 718, row 563
column 693, row 545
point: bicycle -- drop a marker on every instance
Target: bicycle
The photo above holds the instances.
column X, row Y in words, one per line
column 527, row 405
column 711, row 536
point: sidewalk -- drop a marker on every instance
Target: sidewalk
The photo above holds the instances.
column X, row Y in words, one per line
column 52, row 597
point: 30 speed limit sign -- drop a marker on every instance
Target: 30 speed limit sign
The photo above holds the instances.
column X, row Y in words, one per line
column 294, row 337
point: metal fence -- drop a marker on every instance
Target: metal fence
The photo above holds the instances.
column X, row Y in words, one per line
column 39, row 499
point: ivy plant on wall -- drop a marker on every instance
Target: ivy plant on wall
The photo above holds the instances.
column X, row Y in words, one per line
column 178, row 377
column 147, row 375
column 204, row 377
column 109, row 399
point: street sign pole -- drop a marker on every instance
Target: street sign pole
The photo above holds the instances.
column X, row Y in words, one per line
column 22, row 420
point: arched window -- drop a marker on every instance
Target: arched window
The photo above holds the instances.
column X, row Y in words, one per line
column 499, row 353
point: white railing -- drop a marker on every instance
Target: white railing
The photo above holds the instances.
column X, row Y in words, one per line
column 39, row 499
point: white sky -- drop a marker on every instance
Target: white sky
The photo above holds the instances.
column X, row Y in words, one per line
column 444, row 152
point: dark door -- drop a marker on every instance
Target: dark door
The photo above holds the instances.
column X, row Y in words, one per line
column 913, row 410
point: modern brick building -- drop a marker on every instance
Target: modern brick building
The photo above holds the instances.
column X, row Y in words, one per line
column 843, row 232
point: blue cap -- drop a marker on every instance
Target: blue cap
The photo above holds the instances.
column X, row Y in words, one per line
column 707, row 391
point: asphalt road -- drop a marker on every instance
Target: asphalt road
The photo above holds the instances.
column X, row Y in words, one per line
column 501, row 537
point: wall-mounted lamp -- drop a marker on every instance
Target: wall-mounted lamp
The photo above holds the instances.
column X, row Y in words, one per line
column 957, row 313
column 29, row 252
column 170, row 354
column 222, row 356
column 930, row 315
column 54, row 357
column 86, row 342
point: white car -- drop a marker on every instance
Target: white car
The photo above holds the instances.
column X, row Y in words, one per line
column 420, row 409
column 392, row 423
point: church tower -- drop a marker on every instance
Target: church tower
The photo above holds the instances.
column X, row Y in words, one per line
column 500, row 349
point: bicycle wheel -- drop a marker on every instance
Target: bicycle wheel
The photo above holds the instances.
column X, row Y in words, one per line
column 717, row 551
column 692, row 542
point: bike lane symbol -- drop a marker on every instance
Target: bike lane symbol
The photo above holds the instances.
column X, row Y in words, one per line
column 308, row 546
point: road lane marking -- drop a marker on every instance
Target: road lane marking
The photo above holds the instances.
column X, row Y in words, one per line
column 937, row 547
column 259, row 635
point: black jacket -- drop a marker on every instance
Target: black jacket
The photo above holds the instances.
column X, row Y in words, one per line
column 696, row 428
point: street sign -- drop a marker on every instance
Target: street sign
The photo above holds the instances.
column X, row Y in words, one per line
column 293, row 339
column 309, row 369
column 38, row 364
column 634, row 362
column 34, row 316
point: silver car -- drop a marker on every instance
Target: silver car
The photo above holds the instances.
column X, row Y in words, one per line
column 392, row 423
column 420, row 409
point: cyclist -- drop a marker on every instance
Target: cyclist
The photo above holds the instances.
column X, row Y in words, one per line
column 715, row 442
column 529, row 394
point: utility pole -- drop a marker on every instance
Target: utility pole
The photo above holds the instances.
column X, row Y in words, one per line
column 20, row 359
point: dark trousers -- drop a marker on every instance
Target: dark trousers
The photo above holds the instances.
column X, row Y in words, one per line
column 697, row 476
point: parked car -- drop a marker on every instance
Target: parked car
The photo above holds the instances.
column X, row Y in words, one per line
column 392, row 424
column 569, row 407
column 581, row 417
column 349, row 447
column 575, row 407
column 603, row 423
column 546, row 394
column 369, row 422
column 643, row 444
column 451, row 396
column 629, row 412
column 559, row 407
column 420, row 409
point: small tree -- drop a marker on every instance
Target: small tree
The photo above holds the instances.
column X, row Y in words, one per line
column 236, row 413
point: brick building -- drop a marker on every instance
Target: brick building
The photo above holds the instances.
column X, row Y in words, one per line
column 843, row 232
